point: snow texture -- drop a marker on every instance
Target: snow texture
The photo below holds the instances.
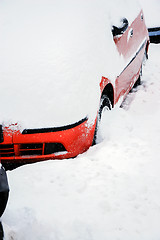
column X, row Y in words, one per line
column 151, row 10
column 110, row 192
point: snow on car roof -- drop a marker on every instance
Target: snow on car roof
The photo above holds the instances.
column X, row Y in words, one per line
column 53, row 54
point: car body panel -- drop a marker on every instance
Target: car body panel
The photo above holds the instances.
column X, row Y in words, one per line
column 133, row 49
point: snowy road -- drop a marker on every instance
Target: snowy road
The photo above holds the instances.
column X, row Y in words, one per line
column 111, row 192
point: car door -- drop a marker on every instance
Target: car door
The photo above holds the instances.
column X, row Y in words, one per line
column 131, row 45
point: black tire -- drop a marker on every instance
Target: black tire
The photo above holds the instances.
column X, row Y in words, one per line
column 105, row 103
column 3, row 201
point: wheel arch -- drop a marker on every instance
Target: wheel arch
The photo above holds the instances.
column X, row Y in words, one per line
column 108, row 91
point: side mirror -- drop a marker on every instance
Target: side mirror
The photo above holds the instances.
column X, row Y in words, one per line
column 119, row 30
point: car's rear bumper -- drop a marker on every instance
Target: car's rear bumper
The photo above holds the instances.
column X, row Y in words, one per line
column 34, row 145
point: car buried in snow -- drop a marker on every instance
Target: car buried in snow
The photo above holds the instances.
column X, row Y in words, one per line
column 61, row 65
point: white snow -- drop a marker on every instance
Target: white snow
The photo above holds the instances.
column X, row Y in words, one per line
column 53, row 55
column 151, row 10
column 110, row 192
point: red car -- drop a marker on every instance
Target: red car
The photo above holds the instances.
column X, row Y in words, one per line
column 112, row 60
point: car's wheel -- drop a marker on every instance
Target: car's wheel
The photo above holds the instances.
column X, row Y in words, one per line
column 3, row 201
column 105, row 105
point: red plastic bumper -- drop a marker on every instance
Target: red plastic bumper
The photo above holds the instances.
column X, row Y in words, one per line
column 18, row 147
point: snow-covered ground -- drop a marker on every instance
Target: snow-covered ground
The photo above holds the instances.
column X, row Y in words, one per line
column 111, row 192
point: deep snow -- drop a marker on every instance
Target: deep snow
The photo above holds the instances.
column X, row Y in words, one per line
column 110, row 192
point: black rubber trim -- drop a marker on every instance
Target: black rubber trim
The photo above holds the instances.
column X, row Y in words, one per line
column 54, row 129
column 155, row 39
column 141, row 47
column 155, row 29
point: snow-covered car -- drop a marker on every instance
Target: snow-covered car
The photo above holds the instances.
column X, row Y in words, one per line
column 62, row 63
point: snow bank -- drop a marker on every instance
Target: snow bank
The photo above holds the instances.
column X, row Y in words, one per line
column 53, row 55
column 110, row 192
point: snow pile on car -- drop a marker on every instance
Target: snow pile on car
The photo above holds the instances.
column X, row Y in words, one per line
column 53, row 56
